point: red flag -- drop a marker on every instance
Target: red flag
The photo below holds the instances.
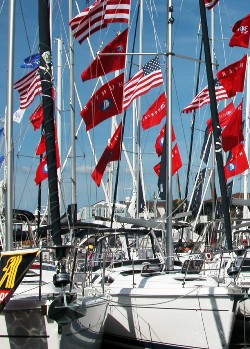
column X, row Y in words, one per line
column 176, row 162
column 147, row 77
column 106, row 102
column 233, row 76
column 210, row 3
column 42, row 169
column 241, row 33
column 203, row 97
column 233, row 133
column 157, row 169
column 103, row 65
column 155, row 113
column 238, row 163
column 224, row 117
column 111, row 153
column 98, row 16
column 160, row 139
column 176, row 159
column 28, row 87
column 37, row 117
column 41, row 146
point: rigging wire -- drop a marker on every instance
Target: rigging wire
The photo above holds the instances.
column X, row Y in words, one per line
column 25, row 27
column 2, row 6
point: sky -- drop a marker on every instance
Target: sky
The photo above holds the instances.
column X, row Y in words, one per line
column 186, row 45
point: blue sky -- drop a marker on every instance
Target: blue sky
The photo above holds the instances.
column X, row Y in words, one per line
column 186, row 43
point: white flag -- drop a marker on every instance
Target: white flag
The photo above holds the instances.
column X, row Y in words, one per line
column 18, row 115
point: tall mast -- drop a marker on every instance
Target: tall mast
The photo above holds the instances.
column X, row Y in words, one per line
column 168, row 143
column 245, row 208
column 72, row 114
column 59, row 107
column 138, row 115
column 216, row 126
column 9, row 125
column 49, row 122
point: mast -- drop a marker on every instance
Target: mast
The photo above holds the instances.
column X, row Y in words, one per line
column 168, row 143
column 138, row 174
column 9, row 132
column 245, row 208
column 193, row 127
column 59, row 107
column 49, row 122
column 72, row 118
column 216, row 127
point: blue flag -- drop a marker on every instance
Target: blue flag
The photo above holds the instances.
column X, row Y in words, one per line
column 1, row 131
column 1, row 160
column 32, row 61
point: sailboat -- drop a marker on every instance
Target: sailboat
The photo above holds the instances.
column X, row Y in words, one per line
column 39, row 305
column 174, row 307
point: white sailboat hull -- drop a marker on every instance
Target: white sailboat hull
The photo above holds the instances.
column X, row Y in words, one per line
column 160, row 312
column 23, row 324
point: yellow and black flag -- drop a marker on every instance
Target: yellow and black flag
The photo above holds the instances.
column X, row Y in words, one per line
column 13, row 267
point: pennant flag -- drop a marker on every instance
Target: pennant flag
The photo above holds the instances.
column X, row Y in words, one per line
column 42, row 169
column 224, row 117
column 160, row 169
column 41, row 146
column 238, row 163
column 233, row 132
column 147, row 77
column 28, row 87
column 111, row 153
column 233, row 76
column 160, row 139
column 241, row 33
column 106, row 102
column 196, row 200
column 209, row 4
column 157, row 169
column 176, row 159
column 105, row 64
column 176, row 162
column 32, row 61
column 98, row 16
column 205, row 150
column 155, row 113
column 13, row 267
column 18, row 115
column 37, row 117
column 203, row 97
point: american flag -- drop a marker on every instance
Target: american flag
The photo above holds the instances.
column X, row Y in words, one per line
column 98, row 15
column 210, row 3
column 203, row 97
column 28, row 87
column 149, row 76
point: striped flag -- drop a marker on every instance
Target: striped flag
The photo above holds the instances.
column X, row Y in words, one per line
column 209, row 4
column 203, row 97
column 149, row 76
column 28, row 87
column 98, row 16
